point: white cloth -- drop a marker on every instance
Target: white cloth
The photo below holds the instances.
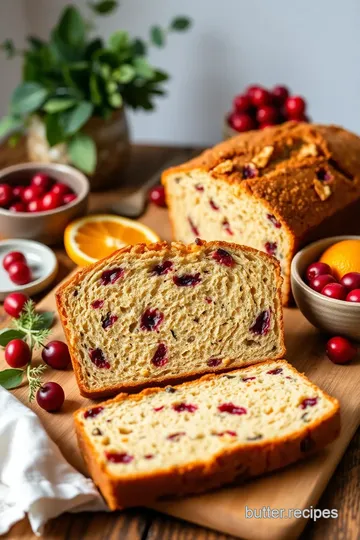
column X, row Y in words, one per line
column 35, row 479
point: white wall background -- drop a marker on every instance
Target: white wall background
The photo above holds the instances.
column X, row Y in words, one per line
column 313, row 46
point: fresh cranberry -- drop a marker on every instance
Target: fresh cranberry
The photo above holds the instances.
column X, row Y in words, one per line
column 334, row 290
column 20, row 273
column 351, row 281
column 51, row 201
column 317, row 269
column 162, row 268
column 267, row 115
column 160, row 357
column 227, row 227
column 17, row 353
column 353, row 296
column 242, row 122
column 271, row 248
column 340, row 350
column 41, row 181
column 109, row 320
column 98, row 358
column 18, row 207
column 319, row 282
column 249, row 171
column 242, row 103
column 261, row 97
column 231, row 409
column 69, row 197
column 6, row 194
column 56, row 355
column 199, row 188
column 18, row 192
column 295, row 107
column 176, row 436
column 50, row 397
column 31, row 193
column 151, row 319
column 274, row 221
column 262, row 324
column 158, row 409
column 14, row 304
column 280, row 94
column 193, row 227
column 275, row 371
column 157, row 196
column 35, row 206
column 227, row 432
column 91, row 413
column 12, row 257
column 214, row 362
column 213, row 205
column 252, row 89
column 184, row 407
column 308, row 402
column 97, row 304
column 223, row 257
column 187, row 280
column 265, row 125
column 119, row 457
column 60, row 189
column 109, row 277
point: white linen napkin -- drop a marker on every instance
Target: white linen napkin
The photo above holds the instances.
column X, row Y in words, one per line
column 35, row 479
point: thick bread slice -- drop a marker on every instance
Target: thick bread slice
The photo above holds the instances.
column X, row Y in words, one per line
column 163, row 313
column 204, row 433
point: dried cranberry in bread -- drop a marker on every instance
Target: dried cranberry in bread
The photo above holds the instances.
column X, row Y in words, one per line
column 203, row 434
column 272, row 189
column 160, row 313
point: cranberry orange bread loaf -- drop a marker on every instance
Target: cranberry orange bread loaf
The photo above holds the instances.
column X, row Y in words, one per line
column 272, row 189
column 205, row 433
column 160, row 313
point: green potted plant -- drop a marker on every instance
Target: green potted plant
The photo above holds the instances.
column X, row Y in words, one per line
column 75, row 88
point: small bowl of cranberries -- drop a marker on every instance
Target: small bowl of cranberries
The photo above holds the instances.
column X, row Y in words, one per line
column 330, row 304
column 38, row 200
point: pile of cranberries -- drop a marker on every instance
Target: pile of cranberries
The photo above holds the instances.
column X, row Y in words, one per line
column 42, row 193
column 17, row 268
column 319, row 277
column 258, row 107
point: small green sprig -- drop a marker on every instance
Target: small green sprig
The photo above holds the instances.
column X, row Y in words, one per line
column 35, row 326
column 34, row 379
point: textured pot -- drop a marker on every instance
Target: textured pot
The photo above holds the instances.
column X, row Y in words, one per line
column 112, row 141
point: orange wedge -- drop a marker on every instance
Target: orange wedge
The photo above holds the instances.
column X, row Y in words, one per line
column 91, row 238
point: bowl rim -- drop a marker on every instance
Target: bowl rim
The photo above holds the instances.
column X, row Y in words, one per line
column 38, row 165
column 295, row 274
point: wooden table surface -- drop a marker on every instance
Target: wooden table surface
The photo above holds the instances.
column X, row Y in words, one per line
column 342, row 493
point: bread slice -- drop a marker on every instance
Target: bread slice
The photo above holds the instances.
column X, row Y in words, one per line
column 160, row 313
column 205, row 433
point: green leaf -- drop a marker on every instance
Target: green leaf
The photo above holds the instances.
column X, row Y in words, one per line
column 27, row 98
column 139, row 47
column 64, row 52
column 105, row 71
column 143, row 68
column 95, row 93
column 76, row 117
column 9, row 123
column 119, row 40
column 180, row 24
column 92, row 47
column 104, row 7
column 8, row 334
column 157, row 36
column 115, row 100
column 54, row 131
column 35, row 42
column 112, row 87
column 55, row 105
column 160, row 76
column 82, row 151
column 11, row 378
column 71, row 27
column 124, row 74
column 45, row 320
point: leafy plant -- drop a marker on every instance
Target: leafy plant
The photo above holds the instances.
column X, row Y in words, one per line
column 74, row 76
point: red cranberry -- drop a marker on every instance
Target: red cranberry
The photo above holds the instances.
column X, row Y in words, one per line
column 223, row 257
column 242, row 122
column 151, row 319
column 184, row 407
column 20, row 273
column 231, row 409
column 119, row 457
column 193, row 227
column 334, row 290
column 160, row 357
column 17, row 353
column 18, row 192
column 18, row 207
column 208, row 300
column 108, row 321
column 187, row 280
column 280, row 94
column 35, row 206
column 261, row 97
column 69, row 197
column 162, row 268
column 318, row 283
column 214, row 362
column 158, row 409
column 317, row 269
column 176, row 436
column 6, row 194
column 246, row 379
column 157, row 196
column 275, row 371
column 266, row 115
column 351, row 281
column 91, row 413
column 308, row 402
column 251, row 90
column 14, row 304
column 51, row 201
column 274, row 221
column 41, row 181
column 340, row 350
column 149, row 456
column 12, row 257
column 60, row 189
column 242, row 103
column 227, row 432
column 353, row 296
column 97, row 304
column 213, row 205
column 271, row 248
column 199, row 188
column 250, row 171
column 262, row 324
column 31, row 193
column 98, row 358
column 50, row 397
column 295, row 107
column 56, row 355
column 227, row 227
column 109, row 277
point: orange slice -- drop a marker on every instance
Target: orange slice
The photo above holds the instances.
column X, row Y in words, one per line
column 91, row 238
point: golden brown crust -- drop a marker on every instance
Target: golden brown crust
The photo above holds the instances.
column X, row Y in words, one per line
column 139, row 249
column 241, row 462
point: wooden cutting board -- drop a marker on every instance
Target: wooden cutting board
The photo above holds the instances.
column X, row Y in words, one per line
column 297, row 487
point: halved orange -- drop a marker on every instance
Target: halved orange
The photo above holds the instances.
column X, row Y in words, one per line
column 343, row 257
column 91, row 238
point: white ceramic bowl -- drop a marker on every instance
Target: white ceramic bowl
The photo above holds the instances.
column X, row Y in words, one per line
column 336, row 317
